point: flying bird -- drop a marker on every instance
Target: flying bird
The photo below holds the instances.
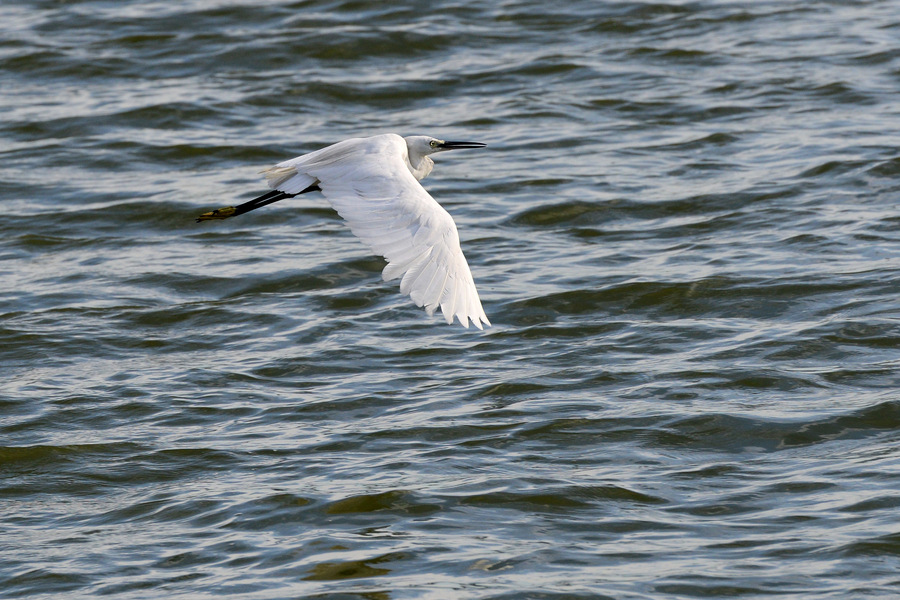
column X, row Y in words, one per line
column 373, row 183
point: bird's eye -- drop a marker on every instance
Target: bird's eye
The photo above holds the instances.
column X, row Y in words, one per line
column 434, row 143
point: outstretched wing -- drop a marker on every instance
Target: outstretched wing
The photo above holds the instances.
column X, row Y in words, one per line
column 367, row 181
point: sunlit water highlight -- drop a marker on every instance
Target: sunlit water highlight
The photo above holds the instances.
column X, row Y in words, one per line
column 684, row 231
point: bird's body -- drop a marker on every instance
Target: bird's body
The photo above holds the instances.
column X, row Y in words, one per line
column 373, row 183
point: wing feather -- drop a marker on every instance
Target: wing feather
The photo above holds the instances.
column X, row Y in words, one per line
column 368, row 182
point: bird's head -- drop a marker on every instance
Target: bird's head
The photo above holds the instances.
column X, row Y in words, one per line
column 423, row 145
column 420, row 146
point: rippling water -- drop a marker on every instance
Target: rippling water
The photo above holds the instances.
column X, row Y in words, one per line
column 685, row 231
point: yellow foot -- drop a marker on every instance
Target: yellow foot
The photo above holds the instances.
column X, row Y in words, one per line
column 219, row 213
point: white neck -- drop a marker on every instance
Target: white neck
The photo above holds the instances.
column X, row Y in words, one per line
column 421, row 168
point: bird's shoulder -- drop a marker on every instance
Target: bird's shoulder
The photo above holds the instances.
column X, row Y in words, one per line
column 375, row 166
column 386, row 145
column 384, row 148
column 384, row 142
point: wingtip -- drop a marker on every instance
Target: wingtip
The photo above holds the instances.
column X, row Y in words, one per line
column 477, row 321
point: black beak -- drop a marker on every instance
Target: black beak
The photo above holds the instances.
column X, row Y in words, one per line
column 460, row 145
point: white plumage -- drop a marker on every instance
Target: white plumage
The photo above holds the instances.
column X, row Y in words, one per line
column 373, row 183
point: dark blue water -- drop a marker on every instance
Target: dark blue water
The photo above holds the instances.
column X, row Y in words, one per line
column 684, row 231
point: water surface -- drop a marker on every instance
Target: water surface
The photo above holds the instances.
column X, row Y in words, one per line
column 684, row 231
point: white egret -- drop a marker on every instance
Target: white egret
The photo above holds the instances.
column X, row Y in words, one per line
column 373, row 183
